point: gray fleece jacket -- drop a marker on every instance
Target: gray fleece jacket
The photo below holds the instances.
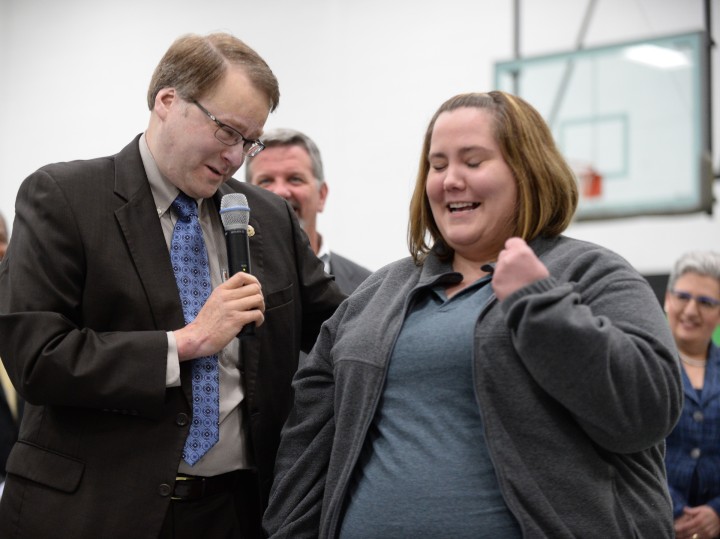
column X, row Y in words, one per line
column 577, row 381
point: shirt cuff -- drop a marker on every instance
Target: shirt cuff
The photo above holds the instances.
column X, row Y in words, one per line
column 172, row 374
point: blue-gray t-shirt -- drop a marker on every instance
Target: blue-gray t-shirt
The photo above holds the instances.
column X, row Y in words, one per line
column 425, row 469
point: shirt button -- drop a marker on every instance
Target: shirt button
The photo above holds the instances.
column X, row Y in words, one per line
column 181, row 420
column 698, row 416
column 164, row 490
column 695, row 453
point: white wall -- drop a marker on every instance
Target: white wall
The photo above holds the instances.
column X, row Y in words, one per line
column 362, row 77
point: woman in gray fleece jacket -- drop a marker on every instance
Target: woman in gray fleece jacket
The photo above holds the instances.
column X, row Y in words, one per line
column 503, row 381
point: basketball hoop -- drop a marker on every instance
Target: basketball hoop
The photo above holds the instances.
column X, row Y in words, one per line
column 589, row 180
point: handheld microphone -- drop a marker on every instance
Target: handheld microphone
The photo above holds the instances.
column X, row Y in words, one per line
column 235, row 216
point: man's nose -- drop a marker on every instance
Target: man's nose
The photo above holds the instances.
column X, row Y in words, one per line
column 282, row 189
column 234, row 156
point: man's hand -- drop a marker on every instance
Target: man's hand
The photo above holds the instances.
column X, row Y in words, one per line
column 235, row 303
column 517, row 266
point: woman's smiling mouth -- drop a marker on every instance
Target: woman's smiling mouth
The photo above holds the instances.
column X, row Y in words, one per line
column 462, row 206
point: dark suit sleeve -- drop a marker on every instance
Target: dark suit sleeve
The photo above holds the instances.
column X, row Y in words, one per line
column 69, row 305
column 320, row 294
column 348, row 274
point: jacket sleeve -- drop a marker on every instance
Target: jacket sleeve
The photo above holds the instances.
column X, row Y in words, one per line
column 54, row 352
column 595, row 338
column 296, row 497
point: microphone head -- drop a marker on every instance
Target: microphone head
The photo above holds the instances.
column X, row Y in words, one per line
column 234, row 212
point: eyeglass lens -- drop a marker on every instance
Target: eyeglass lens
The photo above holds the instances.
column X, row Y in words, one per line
column 704, row 302
column 227, row 136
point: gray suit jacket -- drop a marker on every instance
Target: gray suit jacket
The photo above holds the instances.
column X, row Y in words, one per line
column 87, row 294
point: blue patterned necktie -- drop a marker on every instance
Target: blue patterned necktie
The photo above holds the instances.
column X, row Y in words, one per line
column 192, row 274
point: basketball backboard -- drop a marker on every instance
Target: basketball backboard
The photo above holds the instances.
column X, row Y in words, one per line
column 630, row 119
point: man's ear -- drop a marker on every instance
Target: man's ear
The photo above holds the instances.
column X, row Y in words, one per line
column 323, row 196
column 165, row 99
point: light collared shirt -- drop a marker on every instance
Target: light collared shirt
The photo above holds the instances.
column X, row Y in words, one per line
column 324, row 253
column 231, row 451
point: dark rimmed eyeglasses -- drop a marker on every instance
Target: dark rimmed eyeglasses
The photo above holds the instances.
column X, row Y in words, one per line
column 704, row 303
column 230, row 136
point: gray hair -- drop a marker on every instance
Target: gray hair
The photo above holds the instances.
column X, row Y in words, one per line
column 705, row 263
column 291, row 137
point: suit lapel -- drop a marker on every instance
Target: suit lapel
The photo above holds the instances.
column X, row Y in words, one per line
column 711, row 384
column 688, row 389
column 140, row 225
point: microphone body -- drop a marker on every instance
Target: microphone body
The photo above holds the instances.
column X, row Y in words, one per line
column 235, row 215
column 238, row 249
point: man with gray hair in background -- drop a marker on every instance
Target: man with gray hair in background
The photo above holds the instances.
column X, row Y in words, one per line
column 291, row 166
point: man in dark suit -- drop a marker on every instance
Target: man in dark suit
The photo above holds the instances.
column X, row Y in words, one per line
column 94, row 335
column 291, row 166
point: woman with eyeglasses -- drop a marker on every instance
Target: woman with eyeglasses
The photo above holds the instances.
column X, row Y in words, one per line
column 692, row 303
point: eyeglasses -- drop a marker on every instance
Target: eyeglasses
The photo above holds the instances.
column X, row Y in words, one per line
column 230, row 137
column 704, row 303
